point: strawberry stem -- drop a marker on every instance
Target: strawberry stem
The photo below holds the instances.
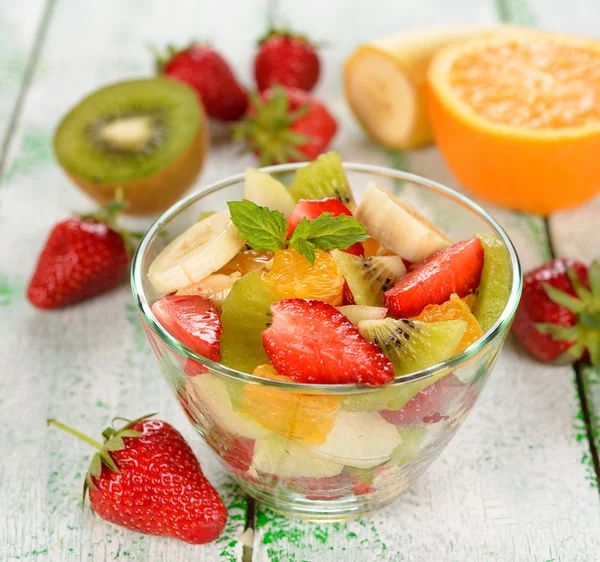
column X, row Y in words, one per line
column 78, row 434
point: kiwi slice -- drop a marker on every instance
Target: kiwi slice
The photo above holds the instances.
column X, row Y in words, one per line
column 410, row 448
column 147, row 136
column 324, row 177
column 357, row 313
column 246, row 315
column 369, row 278
column 494, row 287
column 412, row 345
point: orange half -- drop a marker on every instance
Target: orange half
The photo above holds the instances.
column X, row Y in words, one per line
column 517, row 117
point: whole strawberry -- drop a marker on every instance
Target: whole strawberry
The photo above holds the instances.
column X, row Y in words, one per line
column 204, row 69
column 558, row 318
column 83, row 256
column 146, row 478
column 287, row 59
column 286, row 125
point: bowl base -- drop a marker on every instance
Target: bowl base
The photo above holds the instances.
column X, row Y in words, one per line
column 330, row 511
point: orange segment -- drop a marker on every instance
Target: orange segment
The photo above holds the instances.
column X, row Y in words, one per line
column 470, row 300
column 373, row 248
column 517, row 120
column 454, row 309
column 292, row 276
column 247, row 261
column 304, row 418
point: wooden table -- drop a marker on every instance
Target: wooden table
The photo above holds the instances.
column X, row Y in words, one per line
column 517, row 484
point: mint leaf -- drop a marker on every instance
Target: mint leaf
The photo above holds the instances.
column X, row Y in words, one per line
column 305, row 248
column 330, row 233
column 262, row 228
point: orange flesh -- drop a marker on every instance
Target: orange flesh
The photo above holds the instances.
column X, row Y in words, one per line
column 247, row 261
column 538, row 84
column 454, row 309
column 304, row 418
column 292, row 276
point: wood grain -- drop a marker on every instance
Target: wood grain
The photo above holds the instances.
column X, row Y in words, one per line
column 500, row 489
column 21, row 34
column 85, row 364
column 516, row 483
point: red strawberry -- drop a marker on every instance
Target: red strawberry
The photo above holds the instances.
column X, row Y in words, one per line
column 313, row 208
column 558, row 318
column 237, row 452
column 456, row 269
column 433, row 404
column 347, row 295
column 194, row 321
column 286, row 125
column 83, row 256
column 312, row 342
column 146, row 478
column 286, row 59
column 204, row 69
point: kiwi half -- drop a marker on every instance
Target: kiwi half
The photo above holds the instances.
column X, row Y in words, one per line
column 324, row 177
column 147, row 136
column 369, row 278
column 246, row 315
column 412, row 345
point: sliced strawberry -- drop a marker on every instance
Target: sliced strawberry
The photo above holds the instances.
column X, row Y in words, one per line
column 192, row 368
column 347, row 294
column 456, row 269
column 312, row 342
column 312, row 208
column 433, row 404
column 237, row 452
column 193, row 320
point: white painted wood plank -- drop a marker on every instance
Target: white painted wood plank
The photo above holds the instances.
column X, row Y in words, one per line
column 19, row 23
column 516, row 484
column 480, row 498
column 88, row 363
column 575, row 231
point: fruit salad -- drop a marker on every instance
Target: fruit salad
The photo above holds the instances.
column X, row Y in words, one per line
column 303, row 287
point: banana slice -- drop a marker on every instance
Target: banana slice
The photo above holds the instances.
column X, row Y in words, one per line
column 384, row 82
column 264, row 190
column 398, row 226
column 201, row 250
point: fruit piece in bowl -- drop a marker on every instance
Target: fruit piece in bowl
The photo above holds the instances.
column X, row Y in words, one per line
column 335, row 401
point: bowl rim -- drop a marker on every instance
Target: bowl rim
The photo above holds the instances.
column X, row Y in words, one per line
column 503, row 322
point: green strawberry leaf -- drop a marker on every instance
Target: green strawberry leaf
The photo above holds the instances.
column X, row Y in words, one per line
column 594, row 279
column 573, row 304
column 559, row 333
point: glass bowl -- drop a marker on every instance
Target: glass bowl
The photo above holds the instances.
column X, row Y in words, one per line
column 325, row 452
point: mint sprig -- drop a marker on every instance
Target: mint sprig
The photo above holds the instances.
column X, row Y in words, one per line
column 264, row 229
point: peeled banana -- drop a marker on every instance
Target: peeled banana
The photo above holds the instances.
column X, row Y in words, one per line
column 201, row 250
column 384, row 82
column 398, row 226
